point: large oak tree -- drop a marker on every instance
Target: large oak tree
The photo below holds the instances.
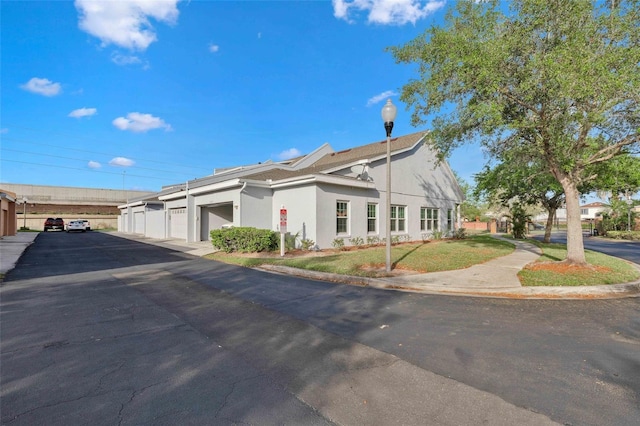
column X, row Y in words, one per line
column 558, row 81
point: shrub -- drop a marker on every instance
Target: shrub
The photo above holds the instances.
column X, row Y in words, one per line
column 437, row 235
column 373, row 240
column 244, row 239
column 307, row 244
column 623, row 235
column 290, row 240
column 460, row 234
column 338, row 243
column 356, row 241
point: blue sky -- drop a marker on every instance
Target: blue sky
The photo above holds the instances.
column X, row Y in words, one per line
column 143, row 94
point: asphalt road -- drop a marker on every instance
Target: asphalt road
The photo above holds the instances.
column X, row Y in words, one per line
column 629, row 250
column 103, row 330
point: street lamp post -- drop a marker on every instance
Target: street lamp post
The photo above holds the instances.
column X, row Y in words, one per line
column 24, row 212
column 388, row 116
column 629, row 210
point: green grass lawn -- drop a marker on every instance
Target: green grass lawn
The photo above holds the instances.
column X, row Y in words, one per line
column 602, row 269
column 441, row 255
column 444, row 255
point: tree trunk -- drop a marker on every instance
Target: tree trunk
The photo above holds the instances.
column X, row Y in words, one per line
column 551, row 215
column 575, row 244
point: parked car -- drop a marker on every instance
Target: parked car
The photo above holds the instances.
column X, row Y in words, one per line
column 76, row 225
column 51, row 224
column 87, row 224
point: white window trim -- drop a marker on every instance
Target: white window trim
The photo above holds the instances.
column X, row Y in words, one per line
column 348, row 217
column 376, row 218
column 396, row 220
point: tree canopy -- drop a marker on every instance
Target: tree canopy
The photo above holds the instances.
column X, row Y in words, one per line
column 549, row 81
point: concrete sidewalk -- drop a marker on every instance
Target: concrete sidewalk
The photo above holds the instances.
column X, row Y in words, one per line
column 12, row 247
column 496, row 278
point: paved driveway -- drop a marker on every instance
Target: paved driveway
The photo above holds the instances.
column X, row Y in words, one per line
column 140, row 334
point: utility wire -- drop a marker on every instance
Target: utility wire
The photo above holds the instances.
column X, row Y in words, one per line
column 83, row 159
column 81, row 169
column 9, row 138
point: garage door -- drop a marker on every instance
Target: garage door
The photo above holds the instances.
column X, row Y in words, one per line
column 138, row 223
column 178, row 223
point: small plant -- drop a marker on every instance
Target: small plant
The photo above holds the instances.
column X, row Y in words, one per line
column 307, row 244
column 373, row 240
column 437, row 235
column 426, row 236
column 519, row 219
column 460, row 234
column 338, row 243
column 356, row 241
column 290, row 240
column 395, row 239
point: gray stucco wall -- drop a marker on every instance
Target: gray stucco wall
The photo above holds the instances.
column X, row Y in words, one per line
column 255, row 207
column 415, row 183
column 300, row 202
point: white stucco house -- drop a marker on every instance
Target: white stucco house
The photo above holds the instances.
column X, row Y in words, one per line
column 327, row 195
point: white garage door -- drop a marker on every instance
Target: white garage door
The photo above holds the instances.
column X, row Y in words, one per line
column 138, row 223
column 178, row 223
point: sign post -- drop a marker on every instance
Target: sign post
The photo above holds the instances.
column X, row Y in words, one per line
column 283, row 229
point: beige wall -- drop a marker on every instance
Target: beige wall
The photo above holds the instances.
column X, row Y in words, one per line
column 36, row 222
column 7, row 214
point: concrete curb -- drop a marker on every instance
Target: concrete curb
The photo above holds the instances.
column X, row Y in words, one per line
column 612, row 291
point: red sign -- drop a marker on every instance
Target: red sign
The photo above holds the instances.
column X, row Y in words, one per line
column 283, row 220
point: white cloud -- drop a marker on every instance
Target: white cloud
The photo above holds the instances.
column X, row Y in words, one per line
column 120, row 59
column 42, row 86
column 381, row 97
column 125, row 23
column 137, row 122
column 386, row 12
column 121, row 162
column 289, row 154
column 94, row 164
column 82, row 112
column 213, row 48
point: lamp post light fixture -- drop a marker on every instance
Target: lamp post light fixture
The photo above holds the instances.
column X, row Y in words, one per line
column 388, row 116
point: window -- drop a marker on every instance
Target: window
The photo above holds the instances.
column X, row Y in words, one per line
column 428, row 219
column 398, row 218
column 372, row 216
column 342, row 217
column 450, row 220
column 584, row 212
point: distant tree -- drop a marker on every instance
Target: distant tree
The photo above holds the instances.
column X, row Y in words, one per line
column 556, row 81
column 529, row 184
column 471, row 208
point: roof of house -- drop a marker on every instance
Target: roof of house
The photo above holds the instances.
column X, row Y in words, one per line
column 594, row 205
column 334, row 160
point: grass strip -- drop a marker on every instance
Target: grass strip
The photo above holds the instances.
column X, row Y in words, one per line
column 550, row 271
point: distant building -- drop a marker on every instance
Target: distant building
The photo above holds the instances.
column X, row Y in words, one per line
column 587, row 212
column 37, row 202
column 8, row 220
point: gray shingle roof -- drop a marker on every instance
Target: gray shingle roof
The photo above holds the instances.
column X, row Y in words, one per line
column 344, row 157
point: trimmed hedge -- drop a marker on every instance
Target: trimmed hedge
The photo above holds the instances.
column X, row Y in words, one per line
column 244, row 240
column 623, row 235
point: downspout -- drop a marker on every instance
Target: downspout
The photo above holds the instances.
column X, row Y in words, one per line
column 244, row 185
column 188, row 216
